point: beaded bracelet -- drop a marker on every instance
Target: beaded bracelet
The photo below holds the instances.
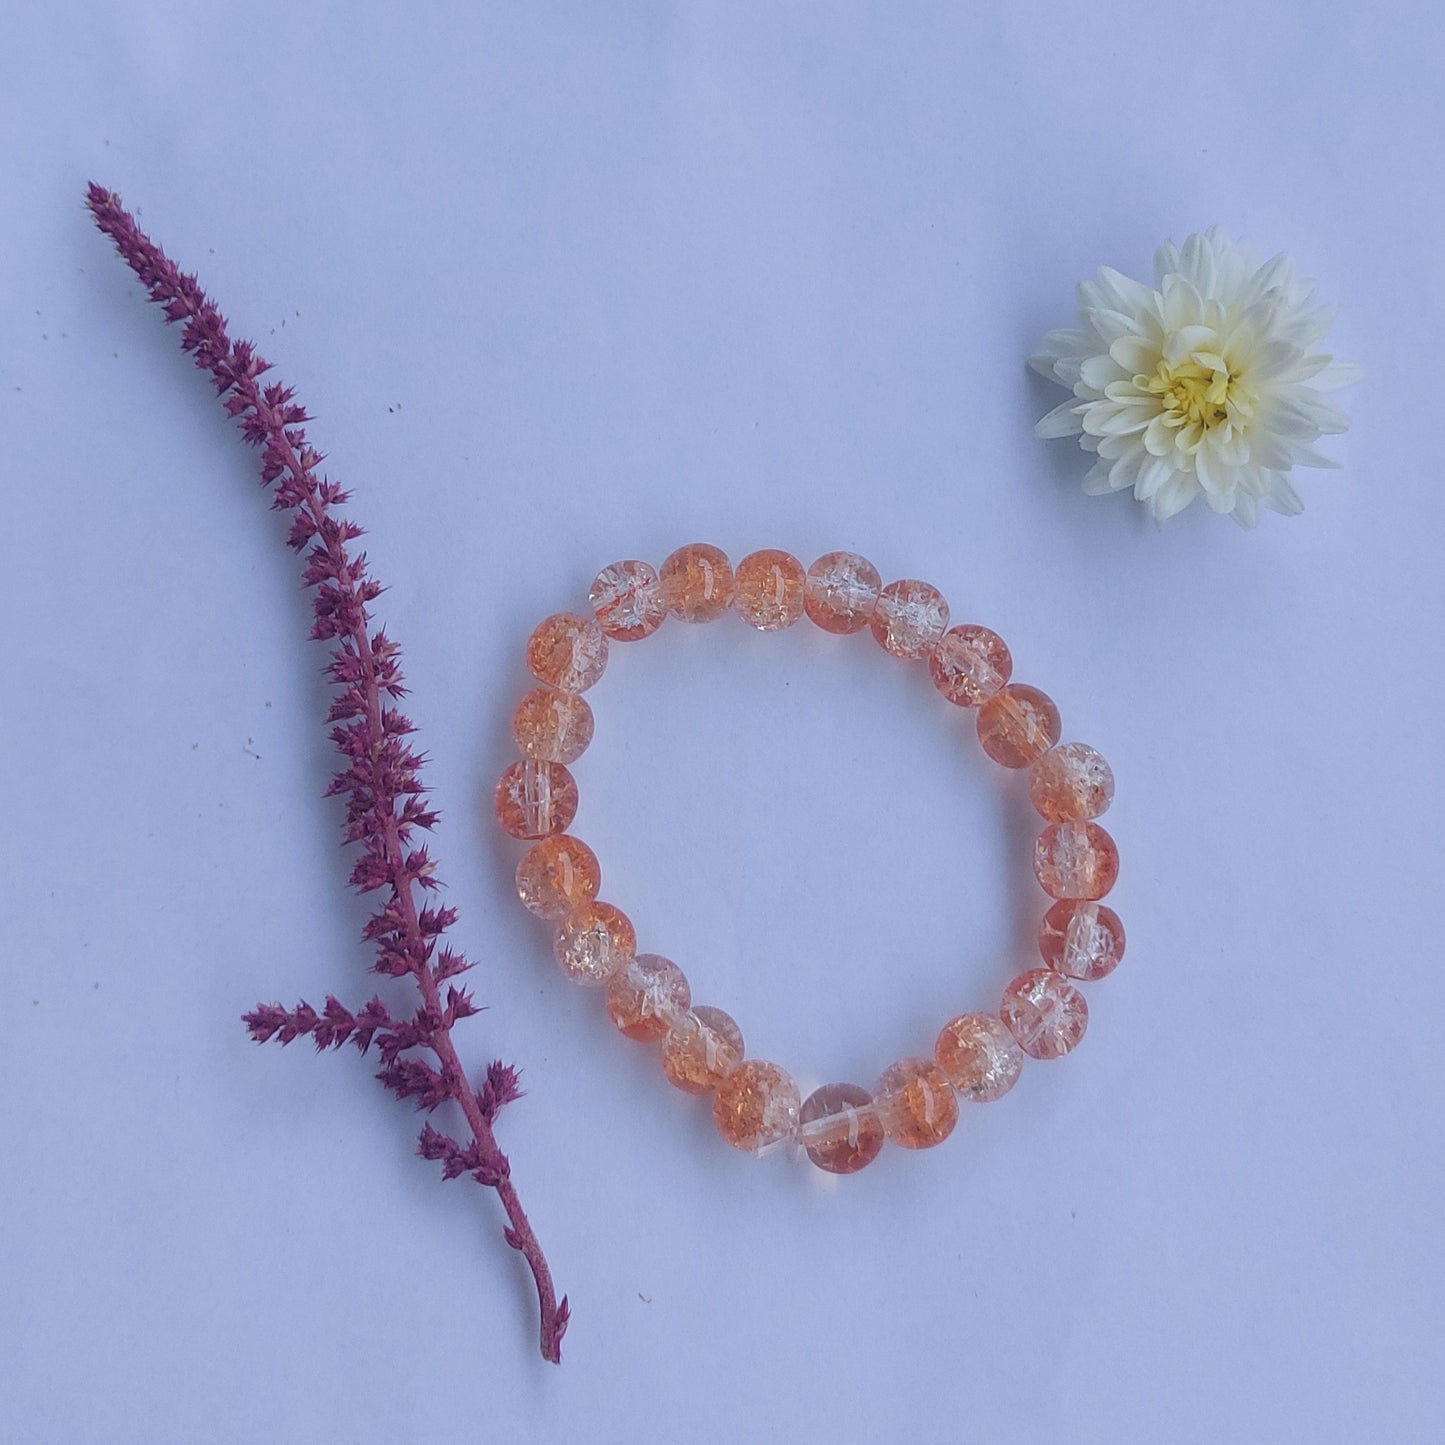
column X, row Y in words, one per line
column 756, row 1105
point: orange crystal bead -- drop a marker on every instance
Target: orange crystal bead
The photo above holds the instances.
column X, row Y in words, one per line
column 1045, row 1013
column 701, row 1049
column 1076, row 860
column 1071, row 782
column 768, row 590
column 1018, row 724
column 839, row 1128
column 535, row 800
column 697, row 583
column 840, row 592
column 627, row 600
column 552, row 726
column 646, row 995
column 593, row 941
column 556, row 875
column 909, row 618
column 916, row 1103
column 981, row 1058
column 756, row 1106
column 1081, row 939
column 567, row 650
column 970, row 664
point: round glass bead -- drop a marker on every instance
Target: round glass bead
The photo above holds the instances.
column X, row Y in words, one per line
column 701, row 1049
column 556, row 875
column 627, row 600
column 697, row 583
column 552, row 726
column 646, row 995
column 910, row 618
column 1045, row 1013
column 841, row 591
column 970, row 664
column 1081, row 939
column 568, row 651
column 839, row 1128
column 756, row 1106
column 535, row 800
column 916, row 1103
column 1076, row 860
column 1018, row 724
column 593, row 941
column 1071, row 783
column 981, row 1058
column 768, row 590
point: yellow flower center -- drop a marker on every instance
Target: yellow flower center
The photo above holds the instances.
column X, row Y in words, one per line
column 1197, row 390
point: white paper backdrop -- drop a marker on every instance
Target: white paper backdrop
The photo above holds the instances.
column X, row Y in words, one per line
column 567, row 283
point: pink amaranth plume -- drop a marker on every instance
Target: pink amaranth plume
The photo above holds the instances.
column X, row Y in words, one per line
column 385, row 800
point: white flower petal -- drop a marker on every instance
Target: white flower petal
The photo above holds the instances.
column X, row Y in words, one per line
column 1063, row 421
column 1108, row 325
column 1186, row 339
column 1182, row 305
column 1276, row 273
column 1302, row 406
column 1217, row 478
column 1135, row 355
column 1302, row 454
column 1098, row 371
column 1153, row 473
column 1159, row 437
column 1125, row 471
column 1282, row 496
column 1173, row 496
column 1267, row 449
column 1197, row 264
column 1059, row 357
column 1108, row 418
column 1111, row 290
column 1337, row 374
column 1096, row 479
column 1246, row 510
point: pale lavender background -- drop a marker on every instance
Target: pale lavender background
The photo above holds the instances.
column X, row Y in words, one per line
column 569, row 283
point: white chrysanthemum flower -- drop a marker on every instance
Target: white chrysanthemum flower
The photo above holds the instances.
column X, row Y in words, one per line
column 1212, row 383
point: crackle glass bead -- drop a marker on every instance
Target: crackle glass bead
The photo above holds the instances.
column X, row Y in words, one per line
column 916, row 1103
column 1081, row 939
column 970, row 664
column 1071, row 783
column 756, row 1106
column 841, row 591
column 839, row 1128
column 981, row 1058
column 535, row 800
column 593, row 941
column 1076, row 860
column 697, row 583
column 552, row 726
column 768, row 590
column 646, row 995
column 567, row 650
column 1045, row 1013
column 627, row 600
column 556, row 875
column 1018, row 724
column 909, row 618
column 701, row 1049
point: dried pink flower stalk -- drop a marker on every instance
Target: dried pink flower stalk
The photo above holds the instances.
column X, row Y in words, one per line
column 385, row 800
